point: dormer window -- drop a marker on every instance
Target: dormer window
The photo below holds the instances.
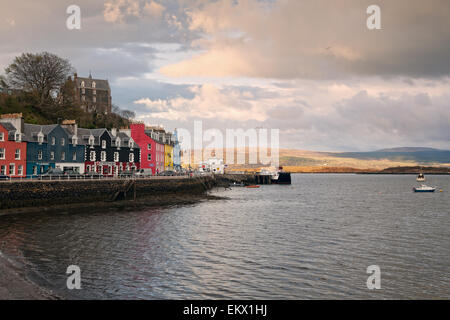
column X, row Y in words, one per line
column 130, row 143
column 91, row 140
column 40, row 137
column 18, row 136
column 93, row 84
column 118, row 143
column 82, row 84
column 103, row 144
column 74, row 140
column 53, row 141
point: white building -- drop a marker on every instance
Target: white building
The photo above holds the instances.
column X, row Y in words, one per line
column 214, row 165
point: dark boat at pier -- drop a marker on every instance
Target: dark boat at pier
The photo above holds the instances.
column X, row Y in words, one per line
column 282, row 177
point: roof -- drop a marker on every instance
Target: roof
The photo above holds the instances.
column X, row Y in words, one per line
column 99, row 83
column 31, row 131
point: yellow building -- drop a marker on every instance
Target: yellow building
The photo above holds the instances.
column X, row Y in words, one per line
column 168, row 157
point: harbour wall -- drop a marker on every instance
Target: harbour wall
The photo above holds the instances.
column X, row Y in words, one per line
column 20, row 194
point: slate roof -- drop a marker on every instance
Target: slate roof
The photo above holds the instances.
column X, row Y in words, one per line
column 31, row 131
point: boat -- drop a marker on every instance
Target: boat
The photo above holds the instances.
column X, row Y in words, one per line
column 282, row 177
column 235, row 184
column 420, row 178
column 252, row 187
column 424, row 188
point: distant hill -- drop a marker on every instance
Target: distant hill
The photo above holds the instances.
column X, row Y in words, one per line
column 420, row 155
column 409, row 149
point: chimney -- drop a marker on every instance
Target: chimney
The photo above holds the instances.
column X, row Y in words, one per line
column 71, row 125
column 16, row 119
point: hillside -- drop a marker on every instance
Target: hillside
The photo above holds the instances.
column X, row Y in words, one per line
column 27, row 104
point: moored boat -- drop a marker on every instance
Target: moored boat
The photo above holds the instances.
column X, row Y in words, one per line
column 420, row 177
column 424, row 188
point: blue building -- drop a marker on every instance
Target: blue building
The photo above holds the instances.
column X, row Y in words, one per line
column 52, row 146
column 176, row 152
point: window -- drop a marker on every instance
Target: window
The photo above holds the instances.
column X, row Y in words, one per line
column 2, row 136
column 82, row 84
column 74, row 140
column 83, row 98
column 91, row 140
column 103, row 156
column 63, row 141
column 74, row 156
column 94, row 92
column 17, row 154
column 40, row 155
column 130, row 143
column 118, row 143
column 83, row 90
column 131, row 157
column 52, row 155
column 20, row 170
column 92, row 156
column 34, row 170
column 149, row 146
column 12, row 169
column 17, row 136
column 40, row 138
column 103, row 144
column 94, row 99
column 53, row 141
column 149, row 157
column 63, row 156
column 3, row 170
column 116, row 157
column 93, row 84
column 2, row 153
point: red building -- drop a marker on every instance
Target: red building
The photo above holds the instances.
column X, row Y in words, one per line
column 147, row 145
column 13, row 152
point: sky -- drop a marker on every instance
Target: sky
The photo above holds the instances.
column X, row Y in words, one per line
column 310, row 68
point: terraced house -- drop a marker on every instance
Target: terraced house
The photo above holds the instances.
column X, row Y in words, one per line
column 109, row 153
column 49, row 146
column 13, row 149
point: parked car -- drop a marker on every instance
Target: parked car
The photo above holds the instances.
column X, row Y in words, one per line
column 3, row 178
column 72, row 174
column 142, row 173
column 52, row 173
column 93, row 175
column 126, row 174
column 167, row 173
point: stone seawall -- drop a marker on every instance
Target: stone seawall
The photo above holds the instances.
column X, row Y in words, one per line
column 45, row 193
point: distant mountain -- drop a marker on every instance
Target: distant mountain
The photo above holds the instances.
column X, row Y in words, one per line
column 409, row 149
column 420, row 155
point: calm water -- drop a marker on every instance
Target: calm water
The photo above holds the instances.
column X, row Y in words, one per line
column 311, row 240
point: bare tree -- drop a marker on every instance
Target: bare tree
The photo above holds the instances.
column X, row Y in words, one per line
column 43, row 73
column 127, row 114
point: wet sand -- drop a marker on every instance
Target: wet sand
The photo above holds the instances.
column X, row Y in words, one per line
column 14, row 285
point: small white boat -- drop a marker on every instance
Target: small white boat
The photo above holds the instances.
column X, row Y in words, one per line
column 424, row 188
column 420, row 178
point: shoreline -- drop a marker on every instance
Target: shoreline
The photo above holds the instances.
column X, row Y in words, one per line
column 14, row 285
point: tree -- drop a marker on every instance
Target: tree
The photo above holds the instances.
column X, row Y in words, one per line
column 43, row 73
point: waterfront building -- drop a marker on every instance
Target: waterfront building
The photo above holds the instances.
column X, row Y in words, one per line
column 143, row 139
column 13, row 149
column 93, row 95
column 176, row 151
column 49, row 146
column 109, row 153
column 213, row 165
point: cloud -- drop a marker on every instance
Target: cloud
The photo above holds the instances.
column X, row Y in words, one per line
column 208, row 102
column 321, row 39
column 123, row 10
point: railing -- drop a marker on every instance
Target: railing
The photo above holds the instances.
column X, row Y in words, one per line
column 34, row 178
